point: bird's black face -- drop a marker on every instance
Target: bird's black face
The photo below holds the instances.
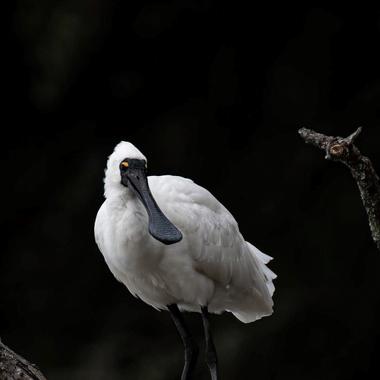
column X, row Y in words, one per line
column 132, row 169
column 134, row 176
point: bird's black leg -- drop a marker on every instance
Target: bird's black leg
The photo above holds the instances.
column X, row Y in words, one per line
column 191, row 349
column 211, row 358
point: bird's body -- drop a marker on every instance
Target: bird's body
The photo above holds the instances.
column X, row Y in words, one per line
column 210, row 264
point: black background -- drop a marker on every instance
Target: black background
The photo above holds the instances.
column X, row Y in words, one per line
column 210, row 91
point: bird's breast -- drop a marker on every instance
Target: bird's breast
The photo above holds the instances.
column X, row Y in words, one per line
column 133, row 249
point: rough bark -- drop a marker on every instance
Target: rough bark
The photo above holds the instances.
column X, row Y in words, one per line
column 343, row 150
column 15, row 367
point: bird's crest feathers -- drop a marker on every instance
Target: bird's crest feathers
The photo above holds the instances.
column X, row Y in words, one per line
column 122, row 150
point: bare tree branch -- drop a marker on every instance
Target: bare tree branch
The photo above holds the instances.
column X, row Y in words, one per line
column 343, row 150
column 15, row 367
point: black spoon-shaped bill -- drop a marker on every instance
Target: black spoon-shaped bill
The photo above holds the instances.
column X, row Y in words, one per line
column 160, row 227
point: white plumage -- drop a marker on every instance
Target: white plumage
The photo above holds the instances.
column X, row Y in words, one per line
column 211, row 266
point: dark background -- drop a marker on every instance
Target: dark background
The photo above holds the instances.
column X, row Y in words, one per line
column 210, row 91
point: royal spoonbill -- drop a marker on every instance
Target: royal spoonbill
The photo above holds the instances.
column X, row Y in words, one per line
column 177, row 248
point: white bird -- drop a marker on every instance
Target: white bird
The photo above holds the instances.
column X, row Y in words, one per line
column 177, row 248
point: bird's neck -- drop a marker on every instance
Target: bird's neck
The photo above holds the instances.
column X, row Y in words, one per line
column 121, row 197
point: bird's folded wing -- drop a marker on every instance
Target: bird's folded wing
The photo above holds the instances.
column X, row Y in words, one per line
column 218, row 249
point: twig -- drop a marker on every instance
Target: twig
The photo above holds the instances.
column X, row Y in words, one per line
column 15, row 367
column 343, row 150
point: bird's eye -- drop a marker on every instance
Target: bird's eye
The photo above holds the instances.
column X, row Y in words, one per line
column 124, row 165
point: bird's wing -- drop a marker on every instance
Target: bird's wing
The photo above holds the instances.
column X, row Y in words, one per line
column 216, row 245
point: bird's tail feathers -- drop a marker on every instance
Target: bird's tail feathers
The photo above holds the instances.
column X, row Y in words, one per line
column 264, row 259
